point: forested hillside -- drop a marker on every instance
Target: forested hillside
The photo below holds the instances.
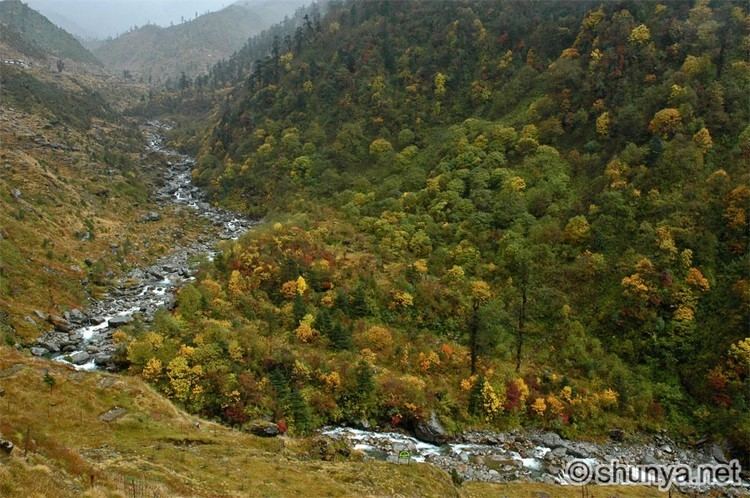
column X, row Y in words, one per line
column 32, row 31
column 504, row 213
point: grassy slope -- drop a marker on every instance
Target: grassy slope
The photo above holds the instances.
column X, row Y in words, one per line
column 37, row 30
column 100, row 182
column 159, row 445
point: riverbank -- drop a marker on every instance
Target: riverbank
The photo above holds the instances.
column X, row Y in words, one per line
column 84, row 337
column 539, row 457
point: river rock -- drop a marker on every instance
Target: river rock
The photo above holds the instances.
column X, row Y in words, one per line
column 431, row 431
column 77, row 316
column 118, row 321
column 558, row 452
column 36, row 351
column 79, row 357
column 649, row 459
column 718, row 453
column 550, row 440
column 102, row 359
column 60, row 323
column 579, row 450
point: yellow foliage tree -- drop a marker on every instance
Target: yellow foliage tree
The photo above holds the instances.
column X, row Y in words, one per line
column 665, row 122
column 539, row 406
column 301, row 285
column 703, row 140
column 602, row 124
column 492, row 401
column 440, row 80
column 640, row 35
column 577, row 229
column 152, row 370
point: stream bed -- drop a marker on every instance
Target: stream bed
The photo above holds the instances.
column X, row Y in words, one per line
column 84, row 338
column 533, row 456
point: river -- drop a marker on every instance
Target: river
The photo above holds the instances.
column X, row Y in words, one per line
column 84, row 338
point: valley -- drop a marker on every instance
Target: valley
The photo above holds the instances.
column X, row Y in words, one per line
column 376, row 248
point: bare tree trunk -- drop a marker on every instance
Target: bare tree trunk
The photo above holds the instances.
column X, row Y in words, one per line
column 520, row 331
column 473, row 338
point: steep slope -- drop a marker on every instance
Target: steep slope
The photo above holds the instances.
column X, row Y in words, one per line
column 37, row 31
column 157, row 54
column 73, row 189
column 505, row 213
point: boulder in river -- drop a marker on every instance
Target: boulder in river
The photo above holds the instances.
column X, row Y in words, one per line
column 102, row 359
column 79, row 357
column 551, row 440
column 431, row 431
column 118, row 321
column 76, row 316
column 49, row 342
column 39, row 351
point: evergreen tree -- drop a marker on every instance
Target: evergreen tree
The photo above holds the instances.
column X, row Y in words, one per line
column 300, row 309
column 341, row 336
column 358, row 303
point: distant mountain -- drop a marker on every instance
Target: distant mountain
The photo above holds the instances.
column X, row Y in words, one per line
column 35, row 35
column 156, row 54
column 69, row 25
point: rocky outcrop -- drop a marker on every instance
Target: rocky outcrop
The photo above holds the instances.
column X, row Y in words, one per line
column 262, row 428
column 112, row 414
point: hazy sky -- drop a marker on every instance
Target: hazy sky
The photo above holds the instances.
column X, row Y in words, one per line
column 103, row 18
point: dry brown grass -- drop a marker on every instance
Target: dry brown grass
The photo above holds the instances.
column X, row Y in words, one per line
column 41, row 258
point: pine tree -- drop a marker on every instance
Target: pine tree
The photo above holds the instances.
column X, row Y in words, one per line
column 364, row 388
column 341, row 337
column 475, row 397
column 358, row 304
column 300, row 411
column 323, row 322
column 300, row 309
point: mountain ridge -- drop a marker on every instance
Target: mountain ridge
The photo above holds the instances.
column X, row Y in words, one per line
column 37, row 30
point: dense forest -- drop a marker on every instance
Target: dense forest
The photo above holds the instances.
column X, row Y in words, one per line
column 506, row 214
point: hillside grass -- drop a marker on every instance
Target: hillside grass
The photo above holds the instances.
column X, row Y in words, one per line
column 57, row 425
column 94, row 186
